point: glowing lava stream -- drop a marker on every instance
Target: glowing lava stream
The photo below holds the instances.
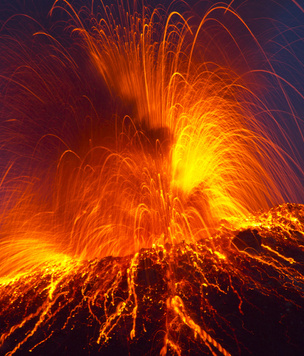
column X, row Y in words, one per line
column 184, row 156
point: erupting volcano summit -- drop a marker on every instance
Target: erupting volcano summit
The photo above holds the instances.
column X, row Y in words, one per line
column 151, row 179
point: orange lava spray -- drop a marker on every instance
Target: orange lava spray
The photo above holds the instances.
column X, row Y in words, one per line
column 189, row 146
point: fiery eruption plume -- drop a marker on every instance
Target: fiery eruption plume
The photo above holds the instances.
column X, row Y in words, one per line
column 143, row 173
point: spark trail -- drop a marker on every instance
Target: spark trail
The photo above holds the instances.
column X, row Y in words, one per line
column 140, row 185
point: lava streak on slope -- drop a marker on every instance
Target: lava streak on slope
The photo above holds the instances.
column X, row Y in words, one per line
column 211, row 298
column 145, row 174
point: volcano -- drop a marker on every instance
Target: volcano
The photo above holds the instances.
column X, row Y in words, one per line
column 151, row 180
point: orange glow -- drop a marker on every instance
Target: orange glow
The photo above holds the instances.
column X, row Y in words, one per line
column 191, row 155
column 190, row 158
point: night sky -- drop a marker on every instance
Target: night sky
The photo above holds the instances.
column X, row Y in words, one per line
column 277, row 26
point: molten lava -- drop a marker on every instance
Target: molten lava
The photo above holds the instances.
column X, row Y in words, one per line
column 140, row 185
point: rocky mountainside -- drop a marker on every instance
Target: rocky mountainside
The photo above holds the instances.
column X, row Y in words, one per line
column 239, row 293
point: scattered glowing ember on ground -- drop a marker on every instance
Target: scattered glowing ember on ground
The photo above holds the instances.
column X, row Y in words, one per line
column 137, row 231
column 176, row 299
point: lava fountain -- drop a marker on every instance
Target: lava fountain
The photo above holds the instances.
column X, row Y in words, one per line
column 143, row 172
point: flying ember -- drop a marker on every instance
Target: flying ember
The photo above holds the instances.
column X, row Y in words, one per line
column 151, row 180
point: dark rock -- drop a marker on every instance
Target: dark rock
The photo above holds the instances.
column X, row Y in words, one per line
column 249, row 241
